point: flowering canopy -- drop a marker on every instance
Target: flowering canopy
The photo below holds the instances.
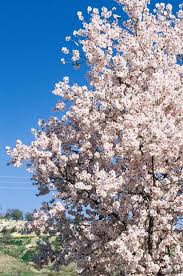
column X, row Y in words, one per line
column 115, row 158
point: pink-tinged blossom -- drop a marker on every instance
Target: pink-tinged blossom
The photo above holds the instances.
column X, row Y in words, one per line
column 115, row 159
column 65, row 50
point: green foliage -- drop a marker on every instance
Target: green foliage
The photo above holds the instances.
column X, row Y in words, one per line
column 29, row 216
column 14, row 214
column 27, row 256
column 6, row 237
column 13, row 251
column 4, row 230
column 22, row 249
column 18, row 242
column 20, row 274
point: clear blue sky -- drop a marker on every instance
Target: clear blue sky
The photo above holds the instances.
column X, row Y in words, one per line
column 31, row 35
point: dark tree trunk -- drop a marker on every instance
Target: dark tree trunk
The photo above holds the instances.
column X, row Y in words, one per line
column 160, row 273
column 150, row 235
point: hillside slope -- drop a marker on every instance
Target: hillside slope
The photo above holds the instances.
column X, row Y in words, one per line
column 9, row 264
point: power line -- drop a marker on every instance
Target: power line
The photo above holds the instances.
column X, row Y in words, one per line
column 14, row 182
column 17, row 188
column 16, row 177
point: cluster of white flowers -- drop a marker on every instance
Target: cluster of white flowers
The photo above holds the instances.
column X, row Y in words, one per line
column 65, row 50
column 75, row 56
column 115, row 158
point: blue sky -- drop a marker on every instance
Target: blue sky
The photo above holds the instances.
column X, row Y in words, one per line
column 31, row 35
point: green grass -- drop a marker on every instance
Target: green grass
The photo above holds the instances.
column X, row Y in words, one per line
column 9, row 264
column 20, row 274
column 16, row 256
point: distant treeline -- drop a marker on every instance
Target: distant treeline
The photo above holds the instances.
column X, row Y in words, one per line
column 16, row 214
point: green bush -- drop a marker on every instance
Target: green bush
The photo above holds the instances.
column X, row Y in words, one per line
column 6, row 237
column 17, row 242
column 13, row 251
column 4, row 230
column 27, row 256
column 13, row 229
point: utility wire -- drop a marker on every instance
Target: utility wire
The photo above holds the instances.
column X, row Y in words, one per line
column 16, row 177
column 17, row 188
column 14, row 182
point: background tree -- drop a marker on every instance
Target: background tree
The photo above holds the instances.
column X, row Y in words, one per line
column 14, row 214
column 29, row 216
column 1, row 213
column 115, row 158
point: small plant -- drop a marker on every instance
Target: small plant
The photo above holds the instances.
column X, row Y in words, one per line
column 6, row 238
column 27, row 256
column 4, row 230
column 17, row 242
column 13, row 229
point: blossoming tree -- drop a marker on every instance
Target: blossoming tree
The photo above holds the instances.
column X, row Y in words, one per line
column 115, row 159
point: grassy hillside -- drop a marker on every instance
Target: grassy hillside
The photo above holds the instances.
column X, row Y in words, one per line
column 12, row 266
column 9, row 264
column 9, row 224
column 16, row 251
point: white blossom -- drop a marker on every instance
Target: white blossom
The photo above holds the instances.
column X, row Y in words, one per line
column 115, row 158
